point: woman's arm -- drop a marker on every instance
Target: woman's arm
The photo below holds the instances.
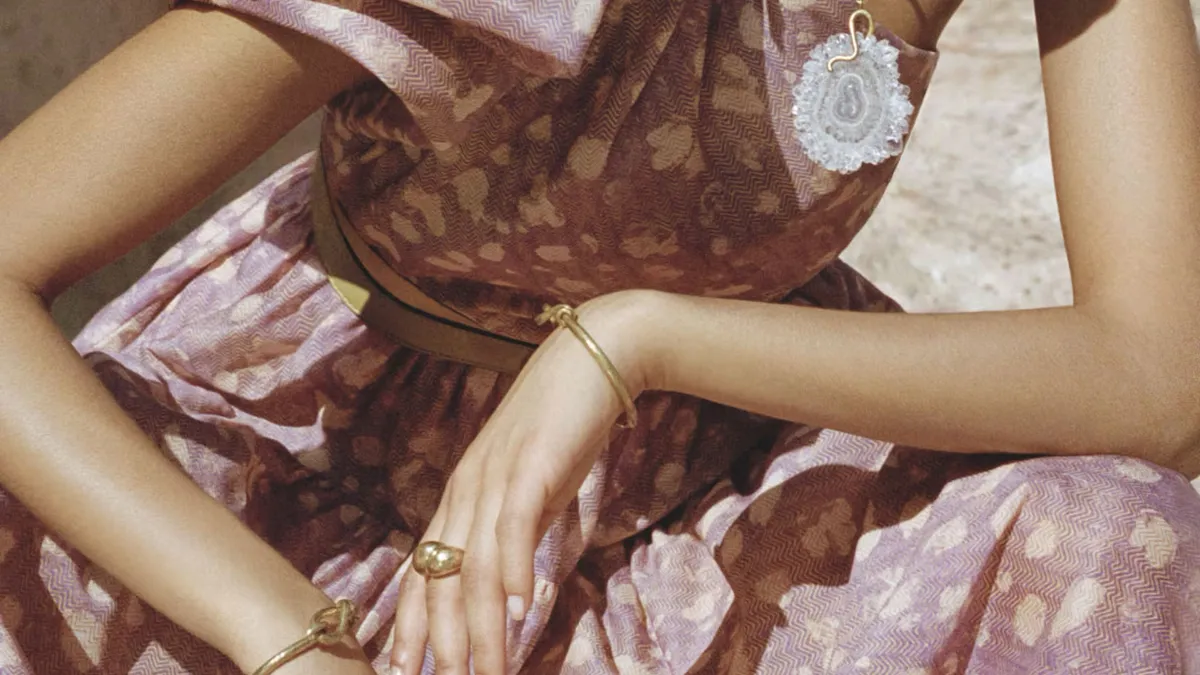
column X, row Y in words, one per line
column 1117, row 372
column 121, row 152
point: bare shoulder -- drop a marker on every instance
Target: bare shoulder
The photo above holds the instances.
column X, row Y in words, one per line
column 148, row 132
column 918, row 22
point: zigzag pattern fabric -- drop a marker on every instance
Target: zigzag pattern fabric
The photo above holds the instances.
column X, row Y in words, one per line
column 513, row 153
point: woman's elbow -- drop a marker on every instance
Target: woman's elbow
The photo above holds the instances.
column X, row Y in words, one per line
column 26, row 274
column 1180, row 438
column 1149, row 404
column 1166, row 421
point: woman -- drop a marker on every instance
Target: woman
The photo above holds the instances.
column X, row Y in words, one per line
column 655, row 164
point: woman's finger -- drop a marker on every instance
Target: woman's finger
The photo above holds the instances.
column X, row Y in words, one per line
column 411, row 628
column 482, row 586
column 517, row 532
column 444, row 604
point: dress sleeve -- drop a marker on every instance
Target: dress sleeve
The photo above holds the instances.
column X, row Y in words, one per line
column 445, row 59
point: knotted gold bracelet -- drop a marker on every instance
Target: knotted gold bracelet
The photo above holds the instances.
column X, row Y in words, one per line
column 563, row 316
column 329, row 627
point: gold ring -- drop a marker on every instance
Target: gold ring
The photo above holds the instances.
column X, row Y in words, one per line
column 445, row 562
column 421, row 557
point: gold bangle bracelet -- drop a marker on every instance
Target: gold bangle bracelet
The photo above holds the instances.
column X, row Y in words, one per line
column 563, row 316
column 329, row 627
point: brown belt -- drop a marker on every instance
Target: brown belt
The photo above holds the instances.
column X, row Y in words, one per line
column 391, row 304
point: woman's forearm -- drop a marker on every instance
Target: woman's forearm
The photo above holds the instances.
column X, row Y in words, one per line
column 1118, row 372
column 84, row 179
column 70, row 454
column 1045, row 381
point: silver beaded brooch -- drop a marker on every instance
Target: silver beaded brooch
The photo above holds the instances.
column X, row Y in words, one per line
column 850, row 107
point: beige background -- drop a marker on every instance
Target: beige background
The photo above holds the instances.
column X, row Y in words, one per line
column 968, row 224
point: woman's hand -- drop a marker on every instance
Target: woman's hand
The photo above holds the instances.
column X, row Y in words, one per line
column 280, row 622
column 520, row 473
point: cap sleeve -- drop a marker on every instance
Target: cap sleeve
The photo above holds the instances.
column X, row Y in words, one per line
column 445, row 59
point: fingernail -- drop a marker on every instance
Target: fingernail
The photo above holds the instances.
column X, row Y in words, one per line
column 395, row 670
column 516, row 607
